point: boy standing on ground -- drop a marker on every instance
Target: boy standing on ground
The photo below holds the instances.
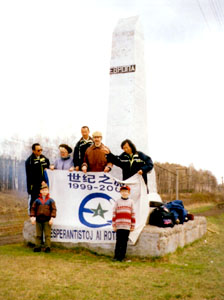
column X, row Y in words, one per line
column 123, row 221
column 42, row 213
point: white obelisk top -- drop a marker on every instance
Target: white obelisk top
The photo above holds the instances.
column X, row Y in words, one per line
column 127, row 111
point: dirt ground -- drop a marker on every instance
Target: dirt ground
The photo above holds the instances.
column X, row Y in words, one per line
column 13, row 213
column 217, row 210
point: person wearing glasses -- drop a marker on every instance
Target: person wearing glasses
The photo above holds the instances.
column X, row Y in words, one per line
column 35, row 165
column 95, row 156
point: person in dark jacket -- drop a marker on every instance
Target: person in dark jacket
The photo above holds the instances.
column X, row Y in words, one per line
column 42, row 213
column 80, row 148
column 35, row 165
column 131, row 161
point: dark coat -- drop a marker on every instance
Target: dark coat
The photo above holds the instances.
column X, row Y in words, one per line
column 79, row 151
column 178, row 210
column 35, row 172
column 130, row 165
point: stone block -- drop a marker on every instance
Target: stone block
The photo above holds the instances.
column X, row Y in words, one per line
column 153, row 240
column 29, row 232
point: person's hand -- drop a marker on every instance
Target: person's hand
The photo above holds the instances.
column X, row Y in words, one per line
column 114, row 229
column 140, row 172
column 71, row 169
column 51, row 221
column 33, row 220
column 107, row 169
column 52, row 167
column 84, row 169
column 132, row 229
column 77, row 168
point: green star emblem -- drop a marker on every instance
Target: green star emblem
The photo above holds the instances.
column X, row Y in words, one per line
column 99, row 211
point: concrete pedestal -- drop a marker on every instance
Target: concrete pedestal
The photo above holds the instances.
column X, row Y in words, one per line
column 153, row 241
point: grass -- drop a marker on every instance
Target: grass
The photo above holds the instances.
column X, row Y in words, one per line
column 199, row 209
column 196, row 198
column 193, row 272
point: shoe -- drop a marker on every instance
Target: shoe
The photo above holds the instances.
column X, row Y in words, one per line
column 48, row 250
column 117, row 259
column 37, row 249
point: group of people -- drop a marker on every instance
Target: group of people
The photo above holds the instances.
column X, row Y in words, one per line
column 89, row 155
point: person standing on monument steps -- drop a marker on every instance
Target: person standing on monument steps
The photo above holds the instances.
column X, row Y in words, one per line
column 65, row 161
column 35, row 165
column 131, row 161
column 95, row 157
column 80, row 148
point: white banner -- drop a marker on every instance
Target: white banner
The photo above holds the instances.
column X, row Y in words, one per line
column 85, row 202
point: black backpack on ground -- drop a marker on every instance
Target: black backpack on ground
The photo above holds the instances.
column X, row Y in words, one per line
column 162, row 217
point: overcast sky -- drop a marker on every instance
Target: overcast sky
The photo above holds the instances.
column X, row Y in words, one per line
column 54, row 72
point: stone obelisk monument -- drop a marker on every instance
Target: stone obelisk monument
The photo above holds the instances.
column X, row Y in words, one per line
column 127, row 115
column 127, row 110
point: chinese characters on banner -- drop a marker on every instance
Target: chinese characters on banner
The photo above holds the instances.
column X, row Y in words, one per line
column 85, row 202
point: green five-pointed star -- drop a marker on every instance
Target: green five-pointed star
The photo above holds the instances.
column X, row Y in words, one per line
column 99, row 211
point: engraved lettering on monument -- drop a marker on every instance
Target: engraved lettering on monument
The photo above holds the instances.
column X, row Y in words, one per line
column 122, row 69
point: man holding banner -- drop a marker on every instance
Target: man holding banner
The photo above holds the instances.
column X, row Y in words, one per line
column 95, row 157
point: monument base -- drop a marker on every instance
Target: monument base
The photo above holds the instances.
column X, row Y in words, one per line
column 153, row 240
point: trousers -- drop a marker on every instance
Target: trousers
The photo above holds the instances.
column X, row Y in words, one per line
column 43, row 227
column 121, row 244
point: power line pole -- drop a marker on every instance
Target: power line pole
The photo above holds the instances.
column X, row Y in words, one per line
column 177, row 183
